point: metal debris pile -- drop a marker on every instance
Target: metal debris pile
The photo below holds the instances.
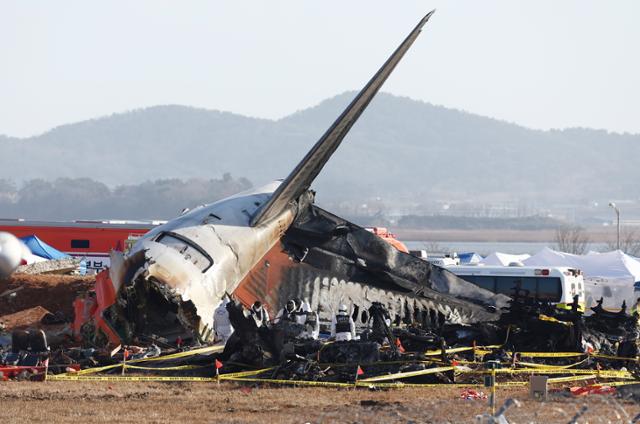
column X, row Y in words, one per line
column 530, row 338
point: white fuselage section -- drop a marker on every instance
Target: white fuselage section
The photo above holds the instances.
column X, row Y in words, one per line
column 222, row 231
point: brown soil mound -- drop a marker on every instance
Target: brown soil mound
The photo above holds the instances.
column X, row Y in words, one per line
column 52, row 292
column 26, row 318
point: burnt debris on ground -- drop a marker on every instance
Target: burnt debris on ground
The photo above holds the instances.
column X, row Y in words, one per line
column 530, row 337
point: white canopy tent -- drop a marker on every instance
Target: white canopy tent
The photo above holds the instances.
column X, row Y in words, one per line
column 610, row 275
column 502, row 259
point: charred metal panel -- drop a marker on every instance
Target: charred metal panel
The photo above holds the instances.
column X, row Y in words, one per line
column 326, row 242
column 326, row 292
column 328, row 261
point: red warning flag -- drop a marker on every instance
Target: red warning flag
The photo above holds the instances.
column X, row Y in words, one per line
column 218, row 364
column 359, row 371
column 399, row 346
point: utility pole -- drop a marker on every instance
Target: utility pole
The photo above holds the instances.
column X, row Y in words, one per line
column 615, row 208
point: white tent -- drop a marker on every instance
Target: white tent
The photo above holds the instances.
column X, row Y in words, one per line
column 502, row 259
column 610, row 275
column 614, row 265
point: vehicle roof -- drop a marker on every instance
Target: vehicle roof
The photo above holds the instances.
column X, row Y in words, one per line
column 490, row 268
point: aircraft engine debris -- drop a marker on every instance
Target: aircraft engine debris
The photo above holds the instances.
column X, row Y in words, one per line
column 11, row 251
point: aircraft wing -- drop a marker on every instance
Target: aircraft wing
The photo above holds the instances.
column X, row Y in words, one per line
column 307, row 170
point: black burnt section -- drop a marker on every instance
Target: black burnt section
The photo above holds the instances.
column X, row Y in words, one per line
column 147, row 311
column 336, row 248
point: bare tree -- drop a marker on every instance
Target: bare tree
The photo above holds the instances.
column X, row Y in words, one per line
column 572, row 239
column 435, row 247
column 629, row 242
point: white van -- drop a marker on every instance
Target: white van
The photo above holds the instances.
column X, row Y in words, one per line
column 557, row 285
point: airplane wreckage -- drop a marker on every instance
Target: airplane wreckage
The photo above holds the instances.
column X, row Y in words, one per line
column 272, row 244
column 417, row 323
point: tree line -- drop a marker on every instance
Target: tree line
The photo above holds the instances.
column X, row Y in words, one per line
column 575, row 239
column 85, row 198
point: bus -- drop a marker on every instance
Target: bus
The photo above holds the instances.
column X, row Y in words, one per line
column 556, row 285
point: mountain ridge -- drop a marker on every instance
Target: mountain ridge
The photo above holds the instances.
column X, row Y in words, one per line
column 440, row 151
column 286, row 117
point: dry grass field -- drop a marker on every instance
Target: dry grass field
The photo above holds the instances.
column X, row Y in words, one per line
column 179, row 402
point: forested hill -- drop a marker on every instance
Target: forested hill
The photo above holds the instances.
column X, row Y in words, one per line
column 399, row 148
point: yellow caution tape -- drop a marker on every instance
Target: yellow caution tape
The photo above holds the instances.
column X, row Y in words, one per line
column 76, row 377
column 531, row 368
column 176, row 368
column 572, row 378
column 510, row 384
column 229, row 376
column 360, row 383
column 408, row 374
column 602, row 374
column 95, row 370
column 274, row 381
column 549, row 354
column 490, row 347
column 620, row 383
column 447, row 351
column 617, row 358
column 63, row 377
column 208, row 349
column 400, row 385
column 373, row 364
column 363, row 383
column 292, row 382
column 137, row 367
column 545, row 366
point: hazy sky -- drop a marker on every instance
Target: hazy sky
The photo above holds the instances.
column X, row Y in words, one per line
column 542, row 64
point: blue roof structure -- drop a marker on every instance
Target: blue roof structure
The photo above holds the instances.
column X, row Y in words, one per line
column 42, row 249
column 469, row 258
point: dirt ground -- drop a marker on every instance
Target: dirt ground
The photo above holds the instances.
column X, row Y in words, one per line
column 52, row 292
column 180, row 402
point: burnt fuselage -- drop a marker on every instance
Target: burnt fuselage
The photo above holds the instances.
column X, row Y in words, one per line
column 188, row 264
column 175, row 277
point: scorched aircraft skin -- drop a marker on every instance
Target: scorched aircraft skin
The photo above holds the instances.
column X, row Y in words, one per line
column 273, row 243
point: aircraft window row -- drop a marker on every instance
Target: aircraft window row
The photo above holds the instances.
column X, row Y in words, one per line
column 188, row 249
column 547, row 288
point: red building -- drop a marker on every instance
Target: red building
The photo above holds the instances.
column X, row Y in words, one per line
column 90, row 239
